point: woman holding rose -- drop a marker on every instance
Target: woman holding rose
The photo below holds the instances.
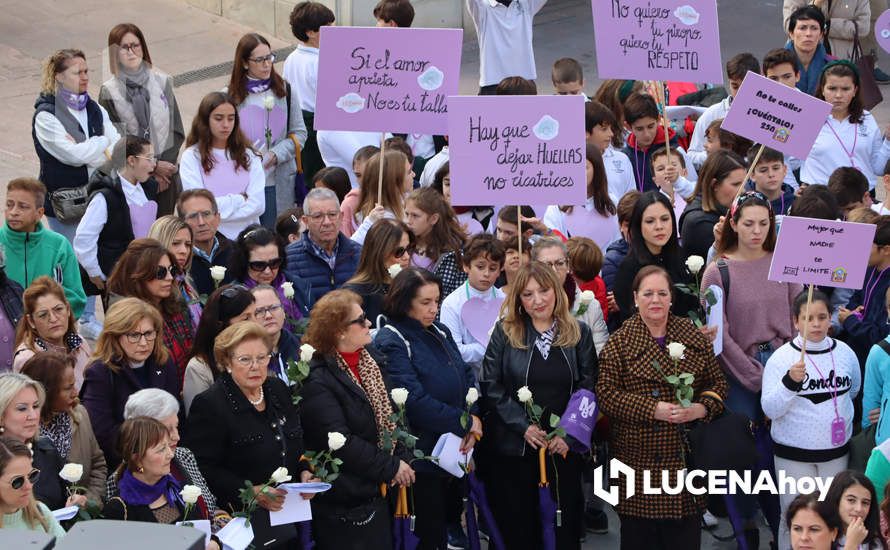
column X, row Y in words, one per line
column 538, row 351
column 645, row 420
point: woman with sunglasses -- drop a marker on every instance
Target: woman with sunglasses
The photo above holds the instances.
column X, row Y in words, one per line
column 66, row 423
column 129, row 356
column 245, row 427
column 227, row 305
column 176, row 235
column 388, row 243
column 757, row 320
column 346, row 393
column 21, row 400
column 150, row 272
column 258, row 258
column 271, row 119
column 140, row 98
column 18, row 507
column 48, row 324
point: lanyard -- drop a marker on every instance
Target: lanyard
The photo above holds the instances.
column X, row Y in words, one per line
column 870, row 289
column 852, row 151
column 831, row 386
column 467, row 288
column 640, row 173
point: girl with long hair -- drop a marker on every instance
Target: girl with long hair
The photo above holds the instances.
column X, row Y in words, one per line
column 397, row 182
column 439, row 237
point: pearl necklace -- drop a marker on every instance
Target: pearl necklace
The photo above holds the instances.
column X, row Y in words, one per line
column 258, row 401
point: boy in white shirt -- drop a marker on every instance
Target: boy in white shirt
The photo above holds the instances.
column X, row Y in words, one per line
column 567, row 76
column 504, row 28
column 599, row 122
column 301, row 71
column 482, row 260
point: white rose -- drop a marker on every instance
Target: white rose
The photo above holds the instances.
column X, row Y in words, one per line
column 306, row 352
column 71, row 472
column 524, row 394
column 280, row 475
column 190, row 494
column 587, row 296
column 694, row 264
column 217, row 273
column 336, row 440
column 676, row 350
column 269, row 102
column 288, row 288
column 472, row 396
column 399, row 396
column 394, row 270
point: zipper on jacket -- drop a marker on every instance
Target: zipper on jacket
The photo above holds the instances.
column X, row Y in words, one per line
column 27, row 239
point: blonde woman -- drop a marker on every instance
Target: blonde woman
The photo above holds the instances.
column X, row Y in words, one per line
column 176, row 236
column 18, row 508
column 130, row 356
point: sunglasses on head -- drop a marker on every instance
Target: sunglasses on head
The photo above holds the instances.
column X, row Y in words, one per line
column 233, row 291
column 272, row 264
column 19, row 481
column 162, row 271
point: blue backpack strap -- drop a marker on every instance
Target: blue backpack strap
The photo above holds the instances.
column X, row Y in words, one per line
column 399, row 334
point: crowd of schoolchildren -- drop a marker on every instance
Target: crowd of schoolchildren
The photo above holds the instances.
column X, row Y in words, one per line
column 183, row 312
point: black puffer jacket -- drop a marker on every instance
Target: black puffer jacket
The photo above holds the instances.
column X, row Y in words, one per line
column 332, row 402
column 505, row 370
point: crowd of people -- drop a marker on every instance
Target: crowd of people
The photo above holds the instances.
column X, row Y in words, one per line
column 183, row 314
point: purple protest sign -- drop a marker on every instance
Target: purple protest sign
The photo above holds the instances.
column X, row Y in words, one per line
column 509, row 149
column 882, row 31
column 386, row 79
column 821, row 252
column 776, row 115
column 637, row 40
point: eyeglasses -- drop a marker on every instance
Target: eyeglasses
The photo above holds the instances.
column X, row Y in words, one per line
column 57, row 312
column 135, row 337
column 558, row 264
column 247, row 361
column 745, row 197
column 317, row 217
column 153, row 160
column 162, row 271
column 360, row 320
column 270, row 58
column 206, row 214
column 19, row 481
column 272, row 264
column 401, row 251
column 261, row 312
column 134, row 47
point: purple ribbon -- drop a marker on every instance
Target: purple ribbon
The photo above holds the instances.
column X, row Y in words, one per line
column 255, row 86
column 78, row 102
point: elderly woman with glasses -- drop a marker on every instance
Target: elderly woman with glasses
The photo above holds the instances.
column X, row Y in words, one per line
column 149, row 271
column 258, row 259
column 48, row 324
column 245, row 427
column 18, row 507
column 130, row 356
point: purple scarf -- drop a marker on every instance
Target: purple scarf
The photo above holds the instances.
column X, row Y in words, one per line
column 78, row 102
column 291, row 310
column 137, row 493
column 255, row 86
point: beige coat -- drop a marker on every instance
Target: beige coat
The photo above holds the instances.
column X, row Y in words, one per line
column 841, row 22
column 85, row 451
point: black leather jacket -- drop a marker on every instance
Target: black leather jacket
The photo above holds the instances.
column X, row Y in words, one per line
column 505, row 370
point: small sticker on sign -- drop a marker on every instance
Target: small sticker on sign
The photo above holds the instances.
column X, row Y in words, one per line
column 687, row 15
column 351, row 103
column 547, row 128
column 431, row 79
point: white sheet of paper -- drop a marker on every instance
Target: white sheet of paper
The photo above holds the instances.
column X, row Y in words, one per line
column 715, row 318
column 235, row 535
column 447, row 450
column 295, row 508
column 67, row 512
column 201, row 525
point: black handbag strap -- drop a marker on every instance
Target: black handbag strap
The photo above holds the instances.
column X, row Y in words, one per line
column 723, row 268
column 884, row 345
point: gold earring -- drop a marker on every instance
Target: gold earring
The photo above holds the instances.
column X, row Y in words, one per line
column 141, row 470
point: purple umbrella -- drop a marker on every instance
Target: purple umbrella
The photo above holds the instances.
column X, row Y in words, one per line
column 546, row 504
column 305, row 530
column 476, row 499
column 403, row 536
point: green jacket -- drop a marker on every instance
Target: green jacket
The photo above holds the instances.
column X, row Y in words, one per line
column 43, row 252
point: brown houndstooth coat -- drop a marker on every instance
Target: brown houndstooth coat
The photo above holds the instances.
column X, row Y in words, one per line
column 628, row 390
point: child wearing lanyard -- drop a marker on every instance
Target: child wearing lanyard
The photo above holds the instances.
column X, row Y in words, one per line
column 810, row 401
column 850, row 135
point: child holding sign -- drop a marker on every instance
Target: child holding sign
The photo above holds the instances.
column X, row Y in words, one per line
column 810, row 400
column 850, row 136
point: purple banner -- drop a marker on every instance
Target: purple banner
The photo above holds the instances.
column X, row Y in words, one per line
column 387, row 79
column 776, row 115
column 821, row 252
column 509, row 149
column 657, row 40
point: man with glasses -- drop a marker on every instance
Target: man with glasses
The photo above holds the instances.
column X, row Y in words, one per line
column 197, row 208
column 324, row 256
column 270, row 314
